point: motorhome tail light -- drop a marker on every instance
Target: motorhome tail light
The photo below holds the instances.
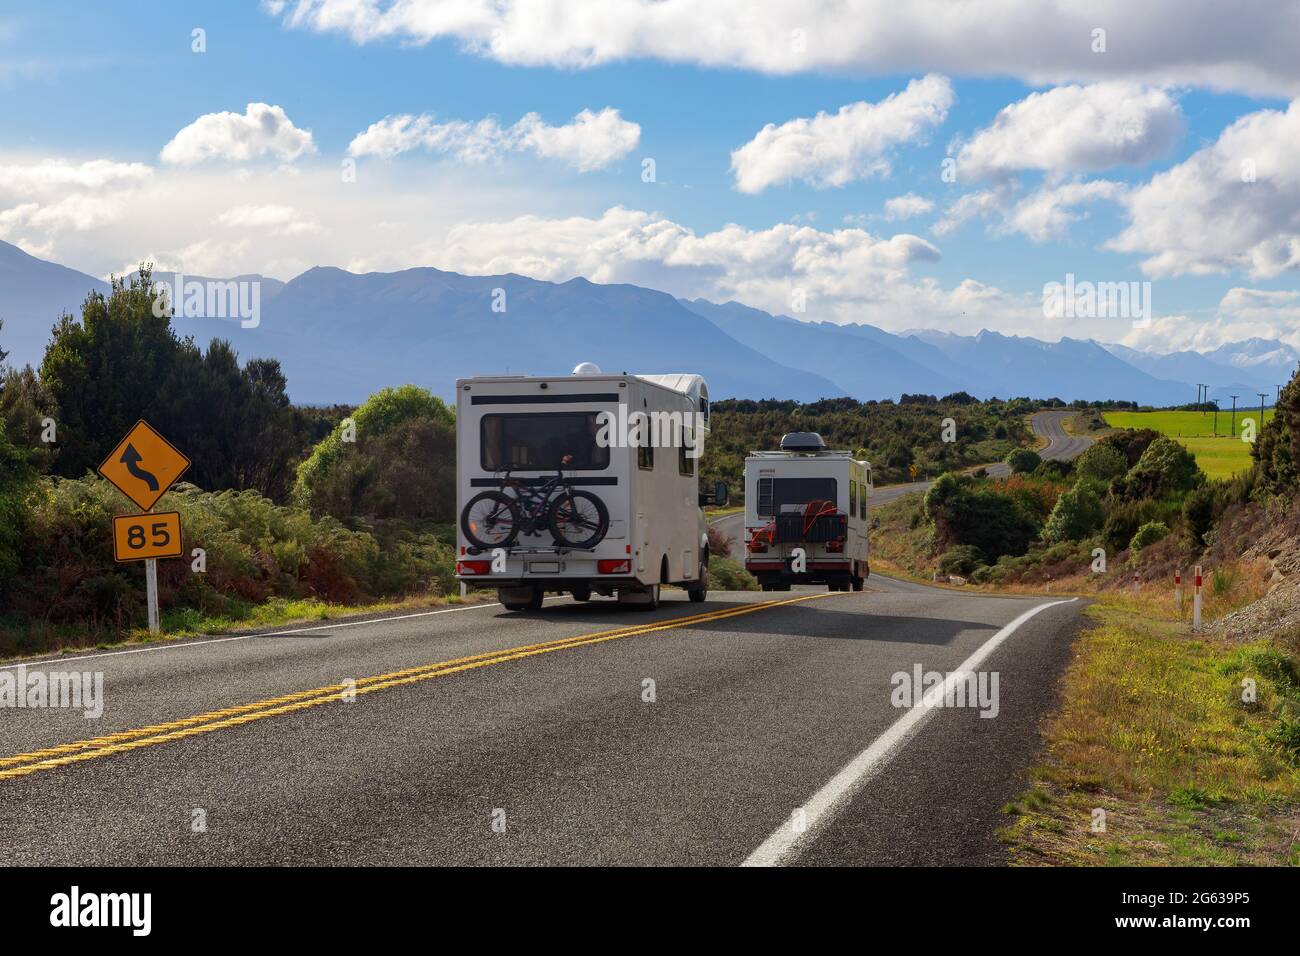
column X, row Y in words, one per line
column 473, row 567
column 758, row 546
column 613, row 566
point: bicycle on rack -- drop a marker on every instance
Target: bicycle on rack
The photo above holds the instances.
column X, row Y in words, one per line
column 576, row 519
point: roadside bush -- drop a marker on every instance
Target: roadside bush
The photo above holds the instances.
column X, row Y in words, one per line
column 16, row 479
column 1054, row 470
column 1165, row 468
column 728, row 574
column 1198, row 514
column 963, row 559
column 1123, row 518
column 967, row 512
column 402, row 463
column 1023, row 460
column 1149, row 533
column 1101, row 462
column 1131, row 442
column 1078, row 514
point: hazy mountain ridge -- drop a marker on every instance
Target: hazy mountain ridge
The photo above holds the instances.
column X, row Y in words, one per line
column 340, row 336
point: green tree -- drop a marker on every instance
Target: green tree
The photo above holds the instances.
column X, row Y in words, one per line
column 1148, row 534
column 402, row 463
column 1023, row 460
column 1165, row 468
column 1277, row 445
column 16, row 479
column 1101, row 462
column 1077, row 514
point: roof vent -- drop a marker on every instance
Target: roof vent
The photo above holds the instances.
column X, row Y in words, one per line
column 806, row 442
column 587, row 368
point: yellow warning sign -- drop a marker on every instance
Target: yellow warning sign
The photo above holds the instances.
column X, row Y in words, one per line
column 144, row 465
column 137, row 537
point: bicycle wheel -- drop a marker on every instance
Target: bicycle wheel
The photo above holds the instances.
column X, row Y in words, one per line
column 579, row 519
column 490, row 520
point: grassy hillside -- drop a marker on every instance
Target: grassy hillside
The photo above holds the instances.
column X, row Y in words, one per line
column 1218, row 455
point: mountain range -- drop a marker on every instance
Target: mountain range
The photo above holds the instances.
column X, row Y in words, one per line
column 341, row 336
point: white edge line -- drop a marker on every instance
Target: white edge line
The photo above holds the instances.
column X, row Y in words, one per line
column 822, row 807
column 183, row 644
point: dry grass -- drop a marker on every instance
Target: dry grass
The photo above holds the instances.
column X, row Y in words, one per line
column 1153, row 729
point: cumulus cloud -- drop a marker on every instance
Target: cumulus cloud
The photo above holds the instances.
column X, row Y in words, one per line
column 907, row 206
column 50, row 173
column 1075, row 129
column 281, row 220
column 1245, row 46
column 1049, row 212
column 835, row 149
column 1234, row 204
column 591, row 141
column 984, row 204
column 260, row 131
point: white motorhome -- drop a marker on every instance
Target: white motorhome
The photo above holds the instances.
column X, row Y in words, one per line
column 553, row 444
column 806, row 515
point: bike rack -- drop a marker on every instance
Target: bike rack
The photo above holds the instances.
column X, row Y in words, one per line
column 556, row 550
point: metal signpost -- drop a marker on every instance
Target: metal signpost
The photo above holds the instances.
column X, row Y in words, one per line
column 143, row 466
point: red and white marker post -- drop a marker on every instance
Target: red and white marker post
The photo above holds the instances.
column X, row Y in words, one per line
column 1178, row 591
column 1196, row 602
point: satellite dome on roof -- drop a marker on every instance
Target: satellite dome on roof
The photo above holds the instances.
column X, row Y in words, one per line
column 802, row 441
column 586, row 368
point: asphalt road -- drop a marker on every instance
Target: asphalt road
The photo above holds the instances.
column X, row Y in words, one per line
column 751, row 728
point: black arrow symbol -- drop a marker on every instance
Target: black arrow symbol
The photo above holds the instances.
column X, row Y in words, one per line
column 131, row 458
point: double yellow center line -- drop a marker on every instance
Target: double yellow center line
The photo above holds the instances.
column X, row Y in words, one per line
column 62, row 755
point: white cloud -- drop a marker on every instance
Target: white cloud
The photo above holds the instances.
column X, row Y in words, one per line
column 1248, row 45
column 281, row 220
column 261, row 130
column 1234, row 204
column 1075, row 129
column 28, row 178
column 907, row 206
column 591, row 141
column 1049, row 212
column 978, row 205
column 832, row 150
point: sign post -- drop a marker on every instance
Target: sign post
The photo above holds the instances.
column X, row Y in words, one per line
column 1178, row 592
column 143, row 466
column 1196, row 602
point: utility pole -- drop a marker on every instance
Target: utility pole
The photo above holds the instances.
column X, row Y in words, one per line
column 1261, row 410
column 1206, row 400
column 1215, row 403
column 1234, row 416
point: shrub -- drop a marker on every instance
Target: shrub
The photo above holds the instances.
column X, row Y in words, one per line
column 1198, row 514
column 1131, row 442
column 965, row 513
column 16, row 480
column 1123, row 518
column 1023, row 460
column 401, row 465
column 1165, row 468
column 963, row 559
column 1054, row 469
column 1078, row 513
column 1101, row 462
column 1149, row 533
column 728, row 574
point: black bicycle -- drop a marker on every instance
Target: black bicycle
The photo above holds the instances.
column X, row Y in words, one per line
column 576, row 519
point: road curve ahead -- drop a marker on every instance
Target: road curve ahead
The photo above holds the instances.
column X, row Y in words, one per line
column 583, row 733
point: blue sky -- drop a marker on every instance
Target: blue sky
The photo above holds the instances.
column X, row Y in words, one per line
column 82, row 82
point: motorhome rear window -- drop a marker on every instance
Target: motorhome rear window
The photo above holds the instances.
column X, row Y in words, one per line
column 538, row 440
column 796, row 491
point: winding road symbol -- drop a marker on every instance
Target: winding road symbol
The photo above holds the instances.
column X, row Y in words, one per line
column 143, row 465
column 131, row 458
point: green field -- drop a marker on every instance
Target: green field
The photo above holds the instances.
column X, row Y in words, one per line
column 1218, row 455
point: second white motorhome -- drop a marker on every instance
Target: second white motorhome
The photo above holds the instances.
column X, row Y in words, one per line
column 806, row 515
column 581, row 484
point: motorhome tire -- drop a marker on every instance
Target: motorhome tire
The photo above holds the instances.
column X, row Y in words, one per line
column 700, row 590
column 581, row 593
column 487, row 512
column 532, row 603
column 579, row 519
column 858, row 583
column 653, row 603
